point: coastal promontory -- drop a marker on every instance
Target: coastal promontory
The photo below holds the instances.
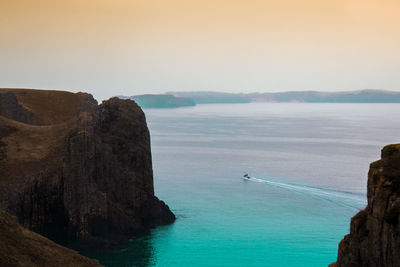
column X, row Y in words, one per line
column 374, row 238
column 77, row 172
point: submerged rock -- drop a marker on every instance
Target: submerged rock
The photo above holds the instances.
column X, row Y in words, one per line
column 75, row 171
column 374, row 238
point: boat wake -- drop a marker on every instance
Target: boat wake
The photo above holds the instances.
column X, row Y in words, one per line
column 352, row 200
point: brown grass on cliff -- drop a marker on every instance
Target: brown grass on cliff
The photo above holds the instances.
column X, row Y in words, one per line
column 39, row 144
column 49, row 106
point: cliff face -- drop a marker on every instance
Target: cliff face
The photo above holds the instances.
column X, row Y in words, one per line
column 21, row 247
column 75, row 170
column 374, row 238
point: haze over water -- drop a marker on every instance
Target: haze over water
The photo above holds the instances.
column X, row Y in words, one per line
column 129, row 47
column 309, row 164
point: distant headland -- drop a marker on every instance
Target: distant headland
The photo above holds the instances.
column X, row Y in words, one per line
column 160, row 101
column 184, row 99
column 363, row 96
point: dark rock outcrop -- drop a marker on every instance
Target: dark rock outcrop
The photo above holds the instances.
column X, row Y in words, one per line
column 21, row 247
column 374, row 238
column 75, row 171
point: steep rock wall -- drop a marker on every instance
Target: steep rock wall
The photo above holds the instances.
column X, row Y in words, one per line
column 78, row 172
column 374, row 238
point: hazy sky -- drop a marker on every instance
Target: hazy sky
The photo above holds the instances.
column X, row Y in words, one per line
column 110, row 47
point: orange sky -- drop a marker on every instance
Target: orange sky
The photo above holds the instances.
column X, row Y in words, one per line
column 132, row 46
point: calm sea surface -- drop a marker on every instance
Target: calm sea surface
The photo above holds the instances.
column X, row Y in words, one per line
column 309, row 164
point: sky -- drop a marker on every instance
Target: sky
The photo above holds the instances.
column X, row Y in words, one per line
column 129, row 47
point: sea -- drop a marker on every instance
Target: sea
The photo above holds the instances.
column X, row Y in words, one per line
column 308, row 165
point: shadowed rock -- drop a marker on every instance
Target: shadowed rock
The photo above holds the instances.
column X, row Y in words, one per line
column 374, row 238
column 77, row 172
column 21, row 247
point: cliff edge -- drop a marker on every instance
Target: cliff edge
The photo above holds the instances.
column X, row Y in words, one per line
column 374, row 238
column 75, row 171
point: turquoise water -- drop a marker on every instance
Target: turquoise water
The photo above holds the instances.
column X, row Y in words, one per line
column 308, row 163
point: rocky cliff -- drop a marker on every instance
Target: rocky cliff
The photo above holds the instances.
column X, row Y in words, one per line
column 21, row 247
column 374, row 238
column 76, row 171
